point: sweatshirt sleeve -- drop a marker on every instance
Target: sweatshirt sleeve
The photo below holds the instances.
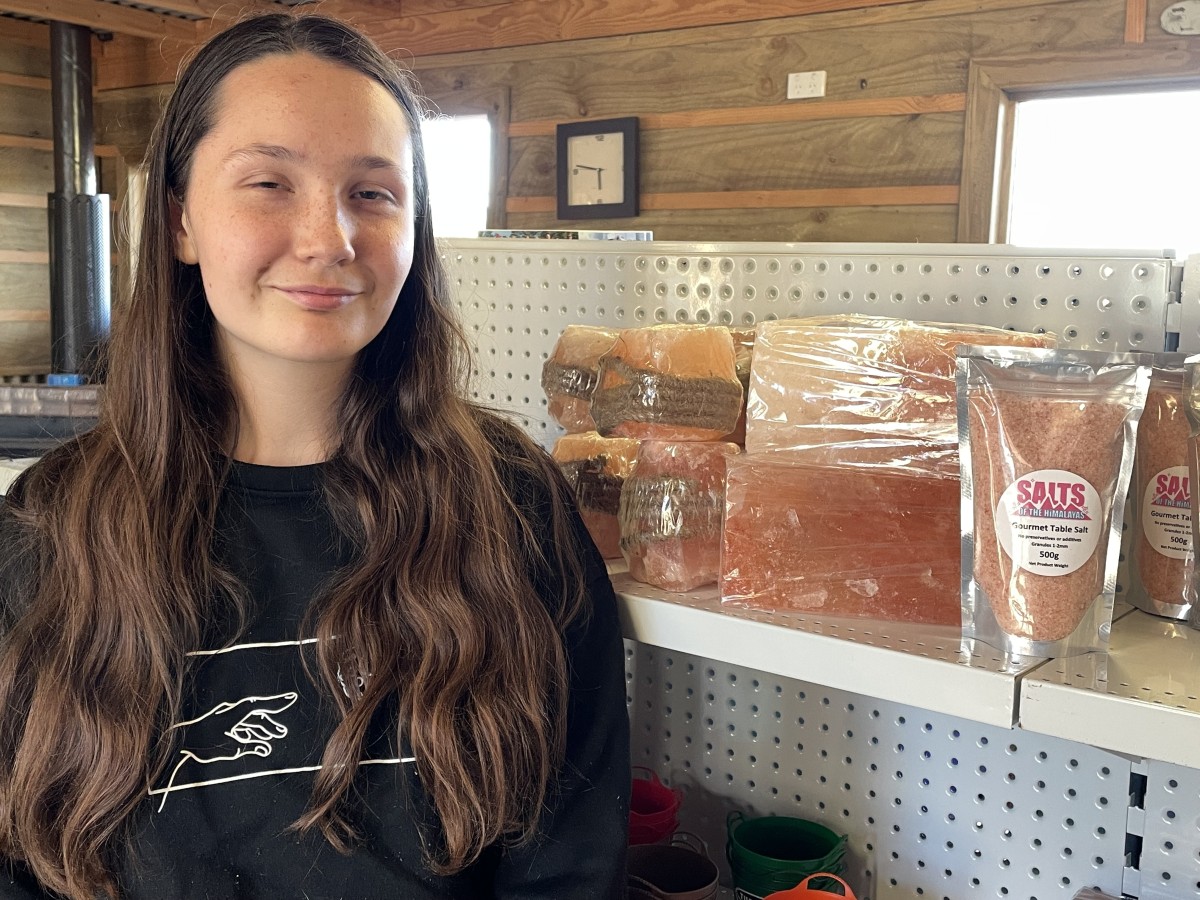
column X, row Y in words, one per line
column 580, row 849
column 17, row 884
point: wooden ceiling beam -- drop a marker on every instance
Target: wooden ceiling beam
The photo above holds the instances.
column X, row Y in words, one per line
column 103, row 16
column 215, row 9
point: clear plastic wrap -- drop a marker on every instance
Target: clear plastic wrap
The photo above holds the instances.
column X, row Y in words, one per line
column 669, row 383
column 840, row 541
column 743, row 356
column 1191, row 410
column 570, row 375
column 1046, row 439
column 862, row 391
column 1163, row 558
column 596, row 468
column 671, row 509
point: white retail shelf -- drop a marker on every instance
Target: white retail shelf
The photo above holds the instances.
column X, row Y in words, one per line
column 920, row 665
column 1142, row 699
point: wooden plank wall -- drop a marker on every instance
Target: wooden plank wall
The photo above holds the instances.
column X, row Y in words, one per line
column 726, row 157
column 26, row 176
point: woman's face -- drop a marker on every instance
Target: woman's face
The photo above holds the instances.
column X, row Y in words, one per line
column 299, row 212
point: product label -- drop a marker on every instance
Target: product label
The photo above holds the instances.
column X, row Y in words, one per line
column 1167, row 512
column 1049, row 521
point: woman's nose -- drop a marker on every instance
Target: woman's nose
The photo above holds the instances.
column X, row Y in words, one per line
column 324, row 232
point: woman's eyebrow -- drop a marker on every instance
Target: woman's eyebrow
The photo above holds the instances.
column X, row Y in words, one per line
column 286, row 154
column 376, row 162
column 271, row 151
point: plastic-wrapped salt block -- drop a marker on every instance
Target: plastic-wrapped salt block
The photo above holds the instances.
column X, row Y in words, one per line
column 671, row 510
column 862, row 391
column 841, row 541
column 669, row 383
column 596, row 468
column 569, row 376
column 743, row 356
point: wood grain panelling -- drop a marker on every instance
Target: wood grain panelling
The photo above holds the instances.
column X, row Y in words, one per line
column 526, row 22
column 25, row 111
column 19, row 33
column 127, row 61
column 1135, row 21
column 23, row 228
column 103, row 17
column 24, row 171
column 842, row 154
column 25, row 286
column 24, row 348
column 930, row 224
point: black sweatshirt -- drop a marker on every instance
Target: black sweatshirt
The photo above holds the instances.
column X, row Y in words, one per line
column 216, row 825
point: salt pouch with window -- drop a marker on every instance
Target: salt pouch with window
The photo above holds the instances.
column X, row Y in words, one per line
column 1160, row 497
column 1191, row 409
column 1046, row 441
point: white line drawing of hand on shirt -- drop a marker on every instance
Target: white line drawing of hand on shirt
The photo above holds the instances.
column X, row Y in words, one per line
column 255, row 732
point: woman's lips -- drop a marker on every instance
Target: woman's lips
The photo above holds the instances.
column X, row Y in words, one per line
column 318, row 297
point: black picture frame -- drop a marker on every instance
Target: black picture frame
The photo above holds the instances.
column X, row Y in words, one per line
column 627, row 208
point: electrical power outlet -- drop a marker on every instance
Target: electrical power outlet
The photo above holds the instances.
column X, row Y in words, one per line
column 805, row 84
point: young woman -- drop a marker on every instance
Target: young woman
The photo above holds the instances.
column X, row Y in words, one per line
column 296, row 619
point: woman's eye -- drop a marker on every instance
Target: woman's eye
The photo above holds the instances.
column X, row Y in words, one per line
column 373, row 194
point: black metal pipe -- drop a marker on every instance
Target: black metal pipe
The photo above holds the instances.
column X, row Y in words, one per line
column 71, row 82
column 80, row 275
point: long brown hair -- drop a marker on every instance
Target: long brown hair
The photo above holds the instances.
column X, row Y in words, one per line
column 449, row 603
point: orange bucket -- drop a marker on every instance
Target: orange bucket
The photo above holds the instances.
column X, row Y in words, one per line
column 803, row 892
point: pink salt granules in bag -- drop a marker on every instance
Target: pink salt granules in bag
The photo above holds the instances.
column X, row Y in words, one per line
column 1047, row 450
column 863, row 391
column 840, row 541
column 1163, row 557
column 670, row 514
column 596, row 468
column 569, row 376
column 669, row 383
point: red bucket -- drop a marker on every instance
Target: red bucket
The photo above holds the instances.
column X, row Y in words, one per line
column 653, row 808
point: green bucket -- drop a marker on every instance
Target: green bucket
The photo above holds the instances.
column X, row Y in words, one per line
column 775, row 853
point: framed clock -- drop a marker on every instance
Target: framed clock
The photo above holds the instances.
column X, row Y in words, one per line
column 598, row 169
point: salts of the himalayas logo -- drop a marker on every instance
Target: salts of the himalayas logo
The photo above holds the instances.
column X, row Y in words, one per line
column 1038, row 499
column 1172, row 491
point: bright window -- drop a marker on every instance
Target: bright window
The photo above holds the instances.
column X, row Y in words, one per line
column 1107, row 172
column 458, row 155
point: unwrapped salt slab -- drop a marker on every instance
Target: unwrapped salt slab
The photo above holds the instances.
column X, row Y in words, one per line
column 863, row 391
column 596, row 468
column 840, row 541
column 569, row 376
column 669, row 383
column 671, row 510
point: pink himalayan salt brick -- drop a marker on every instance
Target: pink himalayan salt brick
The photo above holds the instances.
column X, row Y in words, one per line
column 671, row 509
column 841, row 542
column 569, row 376
column 669, row 383
column 596, row 468
column 743, row 354
column 863, row 391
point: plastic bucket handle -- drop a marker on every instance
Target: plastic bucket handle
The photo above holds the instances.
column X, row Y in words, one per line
column 803, row 892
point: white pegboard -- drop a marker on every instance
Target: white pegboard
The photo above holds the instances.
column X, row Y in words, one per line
column 516, row 296
column 1045, row 815
column 934, row 806
column 1170, row 857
